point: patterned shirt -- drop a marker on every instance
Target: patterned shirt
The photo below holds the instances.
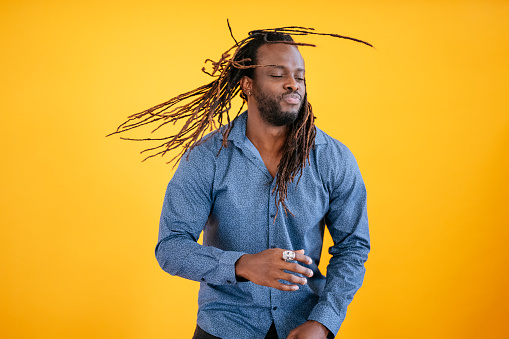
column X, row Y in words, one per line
column 229, row 197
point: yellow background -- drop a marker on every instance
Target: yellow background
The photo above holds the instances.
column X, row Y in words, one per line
column 426, row 113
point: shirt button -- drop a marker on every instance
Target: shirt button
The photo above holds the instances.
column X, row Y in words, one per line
column 228, row 281
column 274, row 308
column 202, row 279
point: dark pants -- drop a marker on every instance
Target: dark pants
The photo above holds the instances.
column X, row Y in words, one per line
column 201, row 334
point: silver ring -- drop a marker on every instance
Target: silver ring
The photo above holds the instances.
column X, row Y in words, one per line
column 288, row 255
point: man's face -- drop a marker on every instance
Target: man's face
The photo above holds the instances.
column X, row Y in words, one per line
column 279, row 87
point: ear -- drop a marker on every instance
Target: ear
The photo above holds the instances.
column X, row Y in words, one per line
column 246, row 83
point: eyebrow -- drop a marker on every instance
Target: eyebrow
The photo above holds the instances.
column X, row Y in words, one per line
column 283, row 67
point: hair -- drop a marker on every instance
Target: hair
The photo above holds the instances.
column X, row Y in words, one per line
column 207, row 108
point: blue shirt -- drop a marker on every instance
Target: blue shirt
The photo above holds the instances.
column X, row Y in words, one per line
column 229, row 196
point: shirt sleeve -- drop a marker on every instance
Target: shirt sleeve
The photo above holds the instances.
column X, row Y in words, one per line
column 347, row 222
column 186, row 208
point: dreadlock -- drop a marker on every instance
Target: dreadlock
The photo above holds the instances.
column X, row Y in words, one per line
column 207, row 108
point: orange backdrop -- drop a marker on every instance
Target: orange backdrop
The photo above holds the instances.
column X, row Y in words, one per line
column 426, row 113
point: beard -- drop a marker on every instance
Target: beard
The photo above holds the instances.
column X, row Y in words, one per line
column 271, row 111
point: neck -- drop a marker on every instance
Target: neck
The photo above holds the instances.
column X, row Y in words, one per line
column 268, row 139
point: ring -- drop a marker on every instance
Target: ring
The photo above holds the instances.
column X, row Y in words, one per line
column 288, row 255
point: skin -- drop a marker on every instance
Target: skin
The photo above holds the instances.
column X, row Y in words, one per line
column 273, row 82
column 280, row 87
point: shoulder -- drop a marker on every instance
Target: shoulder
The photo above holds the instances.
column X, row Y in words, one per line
column 334, row 161
column 212, row 144
column 207, row 146
column 200, row 158
column 197, row 166
column 330, row 149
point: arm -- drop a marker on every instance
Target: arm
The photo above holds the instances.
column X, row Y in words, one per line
column 186, row 208
column 347, row 222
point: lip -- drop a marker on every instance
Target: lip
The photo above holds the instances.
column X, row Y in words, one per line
column 292, row 98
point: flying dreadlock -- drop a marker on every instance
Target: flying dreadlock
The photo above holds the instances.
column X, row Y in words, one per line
column 207, row 107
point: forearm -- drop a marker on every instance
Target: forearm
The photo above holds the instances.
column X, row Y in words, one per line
column 182, row 256
column 345, row 275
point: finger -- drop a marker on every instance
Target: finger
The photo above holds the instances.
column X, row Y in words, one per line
column 286, row 287
column 296, row 268
column 300, row 256
column 292, row 278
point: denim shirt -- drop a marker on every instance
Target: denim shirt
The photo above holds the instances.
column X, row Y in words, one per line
column 229, row 197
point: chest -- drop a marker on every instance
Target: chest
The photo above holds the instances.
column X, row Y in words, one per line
column 272, row 163
column 244, row 192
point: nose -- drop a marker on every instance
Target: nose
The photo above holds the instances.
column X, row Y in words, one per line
column 292, row 85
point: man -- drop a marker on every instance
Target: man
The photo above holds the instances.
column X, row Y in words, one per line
column 263, row 230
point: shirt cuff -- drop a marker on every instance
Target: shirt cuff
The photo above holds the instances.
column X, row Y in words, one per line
column 227, row 267
column 327, row 316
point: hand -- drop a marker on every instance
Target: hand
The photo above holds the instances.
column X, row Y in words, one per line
column 309, row 330
column 268, row 267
